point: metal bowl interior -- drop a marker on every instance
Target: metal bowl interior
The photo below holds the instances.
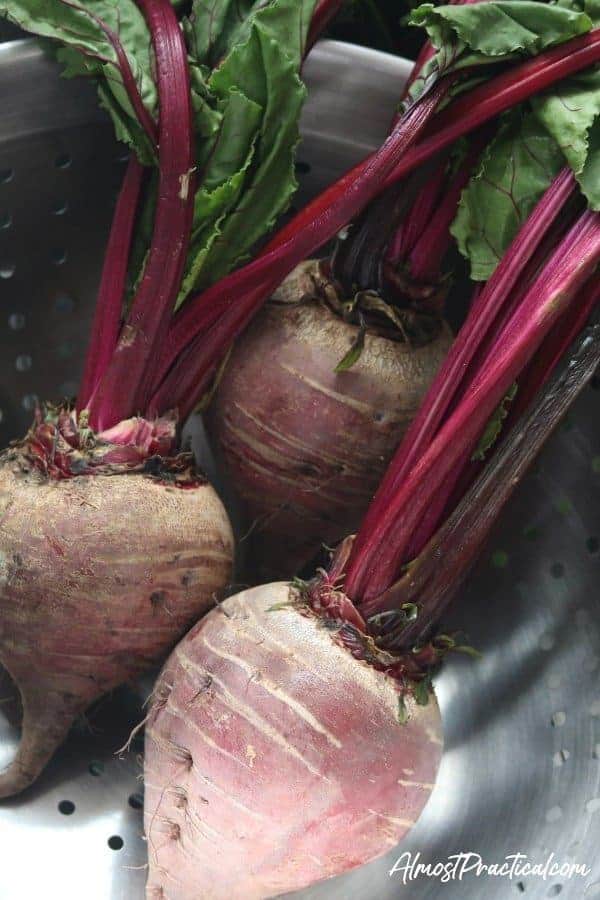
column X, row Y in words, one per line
column 521, row 769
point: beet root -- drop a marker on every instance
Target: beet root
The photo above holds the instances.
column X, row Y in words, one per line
column 273, row 758
column 305, row 447
column 99, row 576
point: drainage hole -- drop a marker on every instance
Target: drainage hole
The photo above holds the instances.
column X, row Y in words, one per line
column 136, row 801
column 66, row 807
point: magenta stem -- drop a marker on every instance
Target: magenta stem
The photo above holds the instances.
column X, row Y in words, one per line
column 419, row 216
column 109, row 304
column 191, row 377
column 434, row 240
column 548, row 298
column 125, row 387
column 564, row 332
column 455, row 486
column 480, row 323
column 434, row 578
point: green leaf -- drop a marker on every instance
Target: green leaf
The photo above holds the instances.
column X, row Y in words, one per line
column 268, row 77
column 443, row 642
column 215, row 26
column 592, row 8
column 246, row 167
column 207, row 118
column 299, row 583
column 500, row 27
column 246, row 124
column 284, row 604
column 211, row 209
column 589, row 179
column 245, row 58
column 354, row 353
column 286, row 22
column 240, row 122
column 531, row 147
column 494, row 426
column 82, row 28
column 569, row 112
column 370, row 301
column 482, row 33
column 127, row 129
column 222, row 179
column 515, row 170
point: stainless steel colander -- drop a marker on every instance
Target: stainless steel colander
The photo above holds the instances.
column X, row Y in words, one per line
column 521, row 769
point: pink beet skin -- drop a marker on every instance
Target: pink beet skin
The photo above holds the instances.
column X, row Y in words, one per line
column 274, row 759
column 99, row 576
column 304, row 446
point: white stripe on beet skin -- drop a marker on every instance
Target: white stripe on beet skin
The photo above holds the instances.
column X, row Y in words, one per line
column 239, row 708
column 272, row 688
column 322, row 759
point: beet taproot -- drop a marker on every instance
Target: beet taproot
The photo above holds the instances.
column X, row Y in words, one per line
column 275, row 759
column 305, row 446
column 100, row 574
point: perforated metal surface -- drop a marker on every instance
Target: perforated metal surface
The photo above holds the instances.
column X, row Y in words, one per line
column 521, row 770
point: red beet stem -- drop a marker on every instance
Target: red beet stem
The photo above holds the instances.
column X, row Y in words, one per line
column 562, row 335
column 434, row 578
column 311, row 227
column 125, row 386
column 419, row 216
column 109, row 305
column 550, row 295
column 434, row 240
column 467, row 470
column 191, row 377
column 479, row 325
column 244, row 291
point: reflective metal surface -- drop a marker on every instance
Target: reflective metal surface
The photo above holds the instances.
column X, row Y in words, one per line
column 521, row 770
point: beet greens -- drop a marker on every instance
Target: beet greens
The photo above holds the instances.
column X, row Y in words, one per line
column 209, row 106
column 216, row 112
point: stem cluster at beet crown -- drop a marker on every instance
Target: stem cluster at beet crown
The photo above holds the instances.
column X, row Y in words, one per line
column 418, row 487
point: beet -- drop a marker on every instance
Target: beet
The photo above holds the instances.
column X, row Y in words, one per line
column 100, row 574
column 305, row 447
column 260, row 775
column 293, row 733
column 274, row 757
